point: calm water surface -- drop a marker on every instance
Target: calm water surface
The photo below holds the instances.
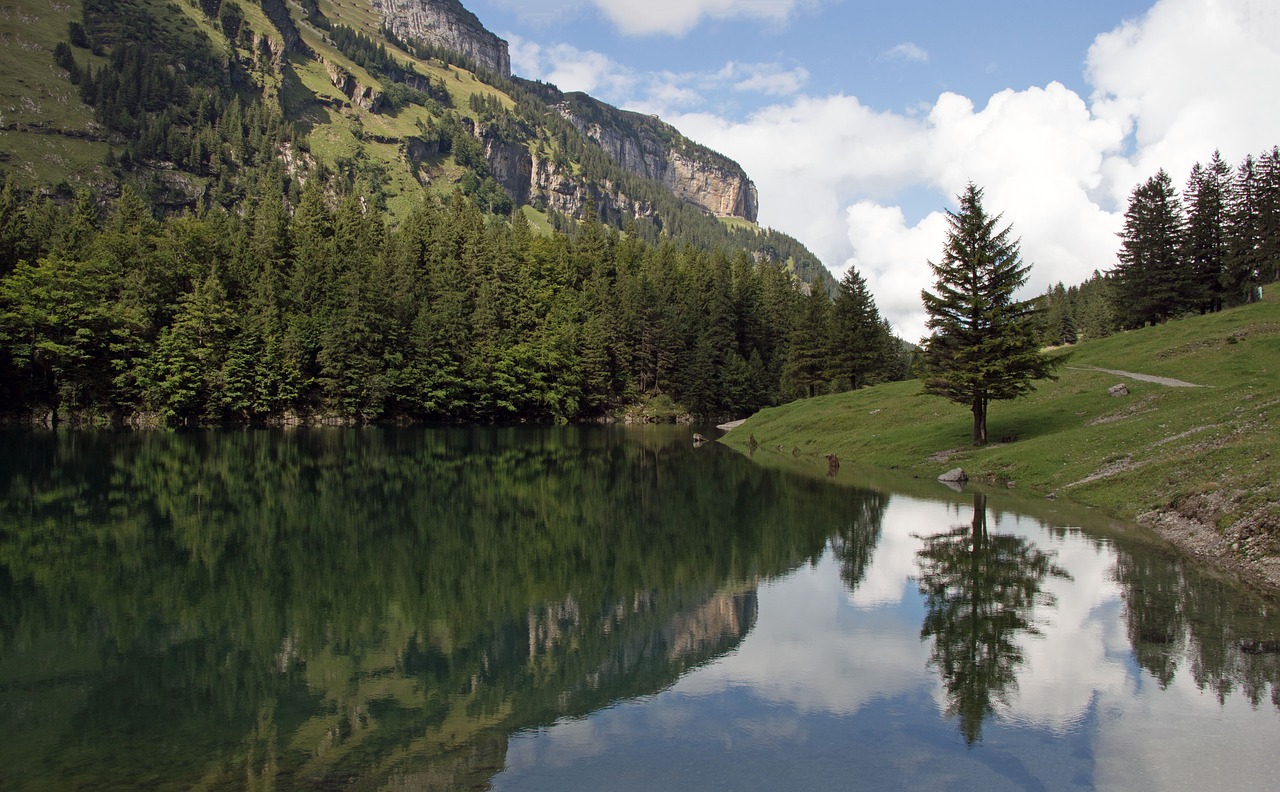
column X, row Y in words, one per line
column 593, row 609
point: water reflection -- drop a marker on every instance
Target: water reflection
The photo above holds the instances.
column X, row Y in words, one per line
column 980, row 590
column 321, row 608
column 459, row 609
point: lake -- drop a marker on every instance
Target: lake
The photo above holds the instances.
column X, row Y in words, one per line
column 595, row 608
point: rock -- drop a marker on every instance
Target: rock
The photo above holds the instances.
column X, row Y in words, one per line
column 446, row 24
column 1119, row 390
column 653, row 149
column 956, row 476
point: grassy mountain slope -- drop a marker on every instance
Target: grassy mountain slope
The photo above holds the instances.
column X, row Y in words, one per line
column 340, row 111
column 48, row 135
column 1172, row 457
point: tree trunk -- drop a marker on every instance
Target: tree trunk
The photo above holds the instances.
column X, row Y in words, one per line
column 979, row 421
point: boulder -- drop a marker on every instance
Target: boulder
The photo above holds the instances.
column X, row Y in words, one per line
column 1119, row 390
column 956, row 476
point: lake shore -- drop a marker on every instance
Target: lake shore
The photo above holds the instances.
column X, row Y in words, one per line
column 1195, row 465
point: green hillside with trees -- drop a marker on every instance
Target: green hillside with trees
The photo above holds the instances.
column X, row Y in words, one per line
column 1188, row 323
column 305, row 223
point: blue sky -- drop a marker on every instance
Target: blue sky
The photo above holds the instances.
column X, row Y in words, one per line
column 859, row 121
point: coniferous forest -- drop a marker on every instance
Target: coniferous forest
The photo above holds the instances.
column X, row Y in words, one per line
column 277, row 286
column 1210, row 248
column 324, row 311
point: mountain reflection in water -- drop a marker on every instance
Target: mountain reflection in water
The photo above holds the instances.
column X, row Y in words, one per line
column 442, row 609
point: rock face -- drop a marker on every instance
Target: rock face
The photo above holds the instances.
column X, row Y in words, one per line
column 446, row 24
column 366, row 96
column 640, row 144
column 278, row 13
column 648, row 147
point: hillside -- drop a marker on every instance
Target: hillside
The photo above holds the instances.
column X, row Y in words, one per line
column 399, row 98
column 1198, row 464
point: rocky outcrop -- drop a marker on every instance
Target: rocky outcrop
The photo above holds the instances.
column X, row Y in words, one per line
column 653, row 149
column 715, row 188
column 278, row 13
column 446, row 24
column 511, row 166
column 359, row 94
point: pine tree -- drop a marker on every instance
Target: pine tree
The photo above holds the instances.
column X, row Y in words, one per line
column 861, row 351
column 1269, row 215
column 1245, row 238
column 807, row 354
column 1152, row 285
column 984, row 344
column 1205, row 252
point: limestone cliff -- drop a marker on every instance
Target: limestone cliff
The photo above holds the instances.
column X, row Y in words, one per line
column 649, row 147
column 446, row 24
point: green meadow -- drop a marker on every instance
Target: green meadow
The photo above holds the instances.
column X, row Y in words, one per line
column 1209, row 452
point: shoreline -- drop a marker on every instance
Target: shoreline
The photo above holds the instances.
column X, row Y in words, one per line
column 1233, row 552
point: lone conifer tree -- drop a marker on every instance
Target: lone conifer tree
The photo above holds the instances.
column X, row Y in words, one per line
column 984, row 344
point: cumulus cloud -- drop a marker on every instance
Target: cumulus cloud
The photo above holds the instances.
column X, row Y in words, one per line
column 1187, row 79
column 570, row 68
column 678, row 17
column 1168, row 89
column 573, row 69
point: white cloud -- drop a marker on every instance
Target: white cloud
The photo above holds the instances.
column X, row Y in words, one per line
column 1188, row 78
column 867, row 188
column 767, row 78
column 677, row 17
column 573, row 69
column 570, row 68
column 907, row 51
column 1169, row 89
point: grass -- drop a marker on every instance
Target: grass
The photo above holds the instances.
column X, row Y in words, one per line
column 1210, row 452
column 38, row 106
column 739, row 223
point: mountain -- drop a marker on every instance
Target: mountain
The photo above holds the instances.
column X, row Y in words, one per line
column 449, row 26
column 404, row 97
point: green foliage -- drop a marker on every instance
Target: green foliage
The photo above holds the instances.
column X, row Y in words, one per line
column 1215, row 248
column 453, row 315
column 1206, row 451
column 983, row 345
column 863, row 349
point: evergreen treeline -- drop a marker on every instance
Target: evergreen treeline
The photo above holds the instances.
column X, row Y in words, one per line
column 320, row 309
column 1211, row 248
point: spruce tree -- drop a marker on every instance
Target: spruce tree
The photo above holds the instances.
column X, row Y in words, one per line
column 984, row 344
column 1269, row 215
column 807, row 355
column 1152, row 285
column 861, row 349
column 1205, row 251
column 1244, row 236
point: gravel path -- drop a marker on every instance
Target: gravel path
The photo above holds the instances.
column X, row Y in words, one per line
column 1166, row 381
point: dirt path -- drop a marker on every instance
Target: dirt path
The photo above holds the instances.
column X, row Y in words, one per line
column 1166, row 381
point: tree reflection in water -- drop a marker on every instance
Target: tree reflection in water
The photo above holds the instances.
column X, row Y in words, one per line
column 980, row 592
column 324, row 609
